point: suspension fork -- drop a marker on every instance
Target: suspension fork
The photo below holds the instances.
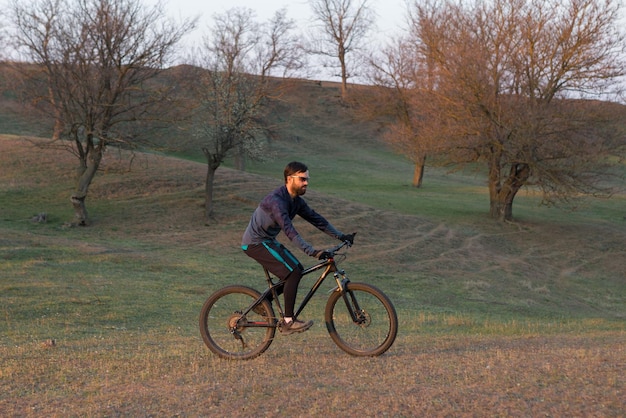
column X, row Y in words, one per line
column 348, row 296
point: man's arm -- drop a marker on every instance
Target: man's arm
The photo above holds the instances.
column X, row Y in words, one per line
column 280, row 211
column 318, row 221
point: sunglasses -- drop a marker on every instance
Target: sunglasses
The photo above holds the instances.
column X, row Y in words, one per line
column 302, row 179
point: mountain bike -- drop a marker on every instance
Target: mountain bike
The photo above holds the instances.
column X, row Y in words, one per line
column 238, row 322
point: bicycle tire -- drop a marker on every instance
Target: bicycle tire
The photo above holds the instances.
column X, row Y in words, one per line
column 227, row 333
column 378, row 328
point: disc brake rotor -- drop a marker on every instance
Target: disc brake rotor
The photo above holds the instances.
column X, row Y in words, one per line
column 364, row 319
column 237, row 322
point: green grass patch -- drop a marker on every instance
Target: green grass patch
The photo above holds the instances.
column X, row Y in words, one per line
column 528, row 310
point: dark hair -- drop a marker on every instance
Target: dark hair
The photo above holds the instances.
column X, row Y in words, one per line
column 293, row 168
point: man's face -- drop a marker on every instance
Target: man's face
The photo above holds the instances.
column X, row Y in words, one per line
column 297, row 183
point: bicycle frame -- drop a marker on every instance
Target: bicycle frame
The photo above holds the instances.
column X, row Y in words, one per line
column 329, row 267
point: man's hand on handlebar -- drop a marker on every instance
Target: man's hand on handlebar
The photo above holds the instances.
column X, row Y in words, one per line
column 348, row 237
column 322, row 255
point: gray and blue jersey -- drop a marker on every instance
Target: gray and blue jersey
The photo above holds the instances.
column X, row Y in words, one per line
column 276, row 212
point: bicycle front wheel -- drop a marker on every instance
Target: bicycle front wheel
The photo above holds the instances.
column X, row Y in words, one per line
column 230, row 334
column 361, row 320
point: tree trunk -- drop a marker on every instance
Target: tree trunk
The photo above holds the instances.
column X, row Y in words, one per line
column 501, row 210
column 502, row 194
column 344, row 88
column 240, row 159
column 58, row 129
column 88, row 166
column 418, row 172
column 58, row 120
column 208, row 193
column 344, row 73
column 213, row 163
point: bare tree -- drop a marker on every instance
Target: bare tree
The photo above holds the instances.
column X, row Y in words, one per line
column 3, row 42
column 343, row 26
column 399, row 79
column 510, row 83
column 97, row 60
column 241, row 63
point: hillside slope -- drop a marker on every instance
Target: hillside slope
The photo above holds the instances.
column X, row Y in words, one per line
column 529, row 269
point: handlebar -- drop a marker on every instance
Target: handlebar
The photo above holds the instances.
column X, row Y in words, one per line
column 337, row 247
column 326, row 261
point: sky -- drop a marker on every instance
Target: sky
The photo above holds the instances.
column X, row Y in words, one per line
column 390, row 13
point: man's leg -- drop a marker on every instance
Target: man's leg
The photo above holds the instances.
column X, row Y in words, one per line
column 280, row 262
column 283, row 264
column 291, row 291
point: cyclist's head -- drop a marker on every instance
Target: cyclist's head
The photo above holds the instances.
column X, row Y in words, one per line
column 293, row 168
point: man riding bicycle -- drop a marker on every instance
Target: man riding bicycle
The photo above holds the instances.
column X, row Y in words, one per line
column 275, row 213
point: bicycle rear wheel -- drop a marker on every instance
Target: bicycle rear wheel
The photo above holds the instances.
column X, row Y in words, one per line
column 230, row 334
column 362, row 320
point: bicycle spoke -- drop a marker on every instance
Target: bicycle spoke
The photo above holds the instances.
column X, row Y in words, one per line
column 363, row 323
column 230, row 334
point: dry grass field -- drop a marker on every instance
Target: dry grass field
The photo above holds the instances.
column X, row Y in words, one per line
column 514, row 320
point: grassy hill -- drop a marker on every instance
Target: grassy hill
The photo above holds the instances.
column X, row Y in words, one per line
column 523, row 318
